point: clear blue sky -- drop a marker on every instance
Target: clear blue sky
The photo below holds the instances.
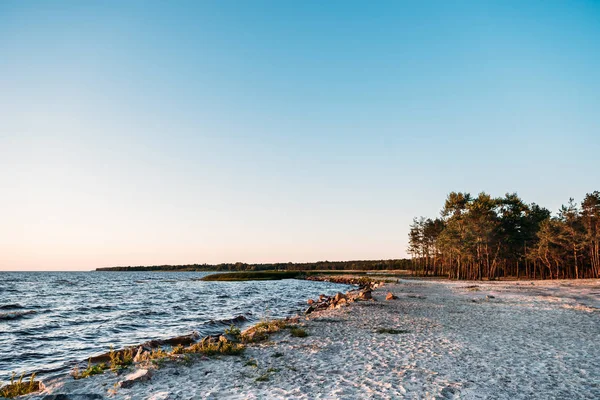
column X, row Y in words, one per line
column 179, row 132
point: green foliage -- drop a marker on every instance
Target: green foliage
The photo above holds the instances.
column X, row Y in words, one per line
column 263, row 378
column 154, row 354
column 234, row 331
column 20, row 388
column 488, row 238
column 212, row 348
column 251, row 363
column 187, row 360
column 179, row 349
column 254, row 276
column 120, row 359
column 272, row 326
column 158, row 362
column 392, row 331
column 356, row 265
column 94, row 369
column 262, row 330
column 267, row 375
column 298, row 332
column 157, row 356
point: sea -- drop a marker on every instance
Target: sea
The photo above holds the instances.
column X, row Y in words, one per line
column 50, row 321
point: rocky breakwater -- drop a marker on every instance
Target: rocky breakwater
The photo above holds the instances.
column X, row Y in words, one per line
column 362, row 293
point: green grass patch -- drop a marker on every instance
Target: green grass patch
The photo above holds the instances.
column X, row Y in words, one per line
column 262, row 330
column 392, row 331
column 267, row 375
column 121, row 359
column 251, row 363
column 213, row 348
column 298, row 332
column 263, row 378
column 20, row 387
column 187, row 360
column 91, row 370
column 234, row 331
column 254, row 276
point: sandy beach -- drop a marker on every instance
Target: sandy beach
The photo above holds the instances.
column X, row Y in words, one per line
column 437, row 340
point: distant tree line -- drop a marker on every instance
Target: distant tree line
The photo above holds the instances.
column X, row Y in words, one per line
column 319, row 265
column 487, row 238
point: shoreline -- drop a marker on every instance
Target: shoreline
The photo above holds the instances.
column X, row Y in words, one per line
column 369, row 345
column 189, row 339
column 147, row 347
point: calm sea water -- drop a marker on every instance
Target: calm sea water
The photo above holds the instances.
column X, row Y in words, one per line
column 51, row 320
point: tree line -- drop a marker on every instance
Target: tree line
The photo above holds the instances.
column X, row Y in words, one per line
column 487, row 238
column 362, row 265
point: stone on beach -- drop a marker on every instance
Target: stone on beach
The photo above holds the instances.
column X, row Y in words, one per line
column 140, row 375
column 341, row 303
column 338, row 297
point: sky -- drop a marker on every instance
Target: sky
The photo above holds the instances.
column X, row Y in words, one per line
column 151, row 132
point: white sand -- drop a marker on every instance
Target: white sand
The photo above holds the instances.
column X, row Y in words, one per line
column 539, row 341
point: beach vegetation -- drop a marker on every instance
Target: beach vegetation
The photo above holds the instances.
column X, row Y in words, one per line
column 155, row 354
column 266, row 375
column 391, row 331
column 187, row 360
column 254, row 276
column 219, row 347
column 251, row 363
column 234, row 332
column 179, row 349
column 121, row 359
column 92, row 369
column 263, row 377
column 298, row 332
column 277, row 355
column 261, row 331
column 20, row 387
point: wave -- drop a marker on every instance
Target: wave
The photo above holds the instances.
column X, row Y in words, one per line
column 10, row 306
column 15, row 315
column 228, row 321
column 77, row 313
column 100, row 307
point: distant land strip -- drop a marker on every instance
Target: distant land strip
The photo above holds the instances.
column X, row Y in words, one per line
column 289, row 266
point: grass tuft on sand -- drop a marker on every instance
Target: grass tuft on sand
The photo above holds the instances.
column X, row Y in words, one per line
column 262, row 330
column 298, row 332
column 19, row 387
column 221, row 347
column 391, row 331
